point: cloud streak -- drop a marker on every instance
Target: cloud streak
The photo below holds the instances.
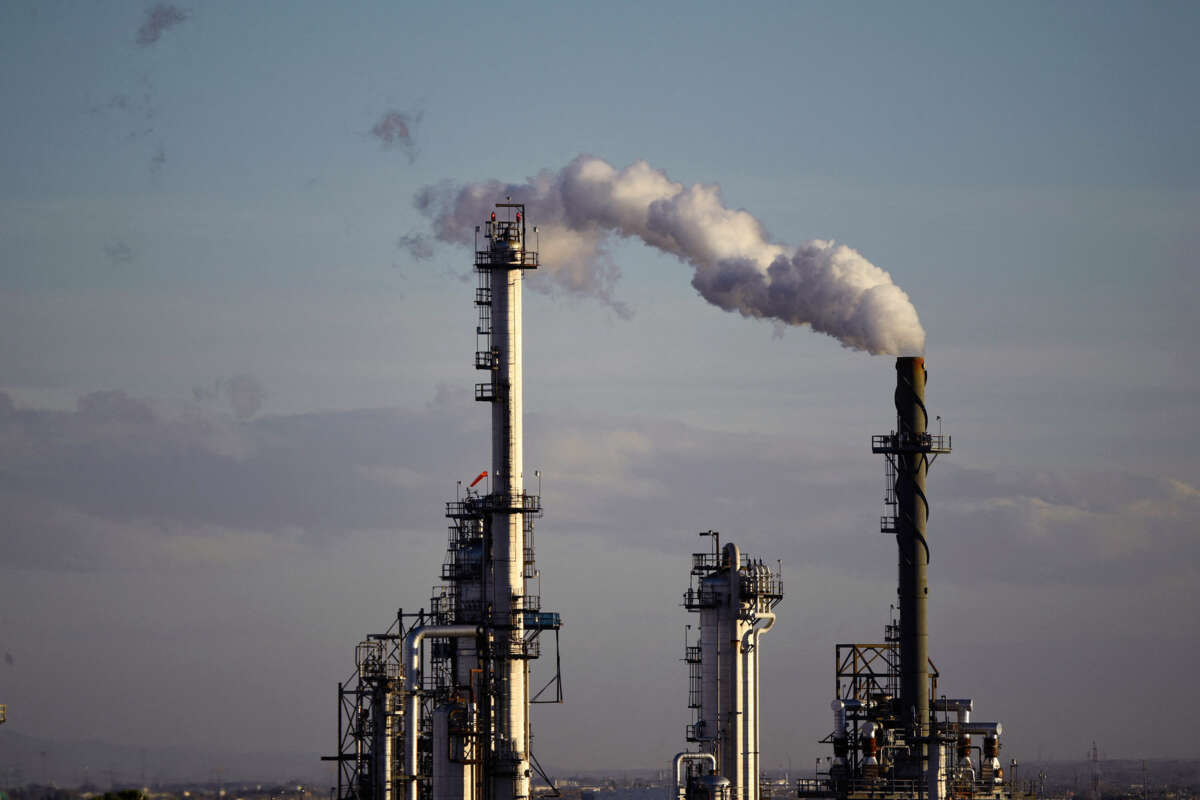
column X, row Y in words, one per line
column 119, row 472
column 737, row 266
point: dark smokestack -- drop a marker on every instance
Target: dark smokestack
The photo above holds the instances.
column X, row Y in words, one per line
column 910, row 449
column 913, row 511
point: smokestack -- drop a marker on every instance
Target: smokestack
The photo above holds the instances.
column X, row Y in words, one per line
column 911, row 422
column 909, row 451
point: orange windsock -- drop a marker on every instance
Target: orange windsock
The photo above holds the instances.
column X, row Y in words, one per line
column 478, row 478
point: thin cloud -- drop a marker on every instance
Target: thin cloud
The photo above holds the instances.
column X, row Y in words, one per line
column 246, row 396
column 394, row 130
column 160, row 19
column 417, row 245
column 244, row 393
column 158, row 160
column 119, row 253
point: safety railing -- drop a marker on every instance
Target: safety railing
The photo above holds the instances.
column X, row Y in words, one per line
column 519, row 259
column 911, row 443
column 694, row 599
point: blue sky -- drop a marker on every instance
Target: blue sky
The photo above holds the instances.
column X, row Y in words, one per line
column 214, row 204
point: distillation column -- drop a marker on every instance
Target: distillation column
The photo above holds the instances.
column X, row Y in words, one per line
column 506, row 259
column 735, row 599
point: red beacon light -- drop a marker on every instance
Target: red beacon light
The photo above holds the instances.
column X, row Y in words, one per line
column 493, row 216
column 518, row 216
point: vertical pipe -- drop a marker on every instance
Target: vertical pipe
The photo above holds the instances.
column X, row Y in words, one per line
column 770, row 619
column 339, row 744
column 750, row 642
column 709, row 668
column 677, row 764
column 382, row 713
column 748, row 715
column 412, row 691
column 733, row 745
column 911, row 465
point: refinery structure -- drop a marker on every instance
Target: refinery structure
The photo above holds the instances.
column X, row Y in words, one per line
column 894, row 735
column 735, row 597
column 438, row 705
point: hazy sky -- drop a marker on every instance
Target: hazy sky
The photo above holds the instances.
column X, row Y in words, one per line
column 237, row 368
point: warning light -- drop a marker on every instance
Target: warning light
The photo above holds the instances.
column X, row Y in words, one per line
column 518, row 216
column 493, row 216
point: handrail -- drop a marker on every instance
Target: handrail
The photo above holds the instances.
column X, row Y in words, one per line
column 507, row 258
column 905, row 442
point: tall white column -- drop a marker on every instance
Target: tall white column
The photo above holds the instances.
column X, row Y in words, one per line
column 508, row 532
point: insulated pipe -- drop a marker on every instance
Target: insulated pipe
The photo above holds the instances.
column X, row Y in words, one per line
column 747, row 719
column 756, row 753
column 839, row 717
column 749, row 776
column 412, row 686
column 677, row 764
column 870, row 744
column 958, row 704
column 839, row 730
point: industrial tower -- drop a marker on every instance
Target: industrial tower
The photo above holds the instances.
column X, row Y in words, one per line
column 893, row 735
column 451, row 721
column 735, row 597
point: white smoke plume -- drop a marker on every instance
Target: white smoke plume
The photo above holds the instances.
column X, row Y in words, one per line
column 738, row 267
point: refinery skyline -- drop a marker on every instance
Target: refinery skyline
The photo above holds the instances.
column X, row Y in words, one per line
column 236, row 381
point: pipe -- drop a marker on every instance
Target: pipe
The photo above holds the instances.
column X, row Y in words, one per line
column 870, row 747
column 677, row 762
column 839, row 717
column 758, row 632
column 749, row 776
column 953, row 704
column 412, row 686
column 840, row 748
column 734, row 746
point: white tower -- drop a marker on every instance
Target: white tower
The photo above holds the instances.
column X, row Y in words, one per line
column 735, row 598
column 505, row 261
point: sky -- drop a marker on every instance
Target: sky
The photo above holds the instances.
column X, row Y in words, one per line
column 235, row 358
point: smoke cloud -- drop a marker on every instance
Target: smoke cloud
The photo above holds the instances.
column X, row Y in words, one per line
column 416, row 245
column 394, row 131
column 158, row 160
column 738, row 267
column 162, row 17
column 119, row 253
column 246, row 396
column 244, row 393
